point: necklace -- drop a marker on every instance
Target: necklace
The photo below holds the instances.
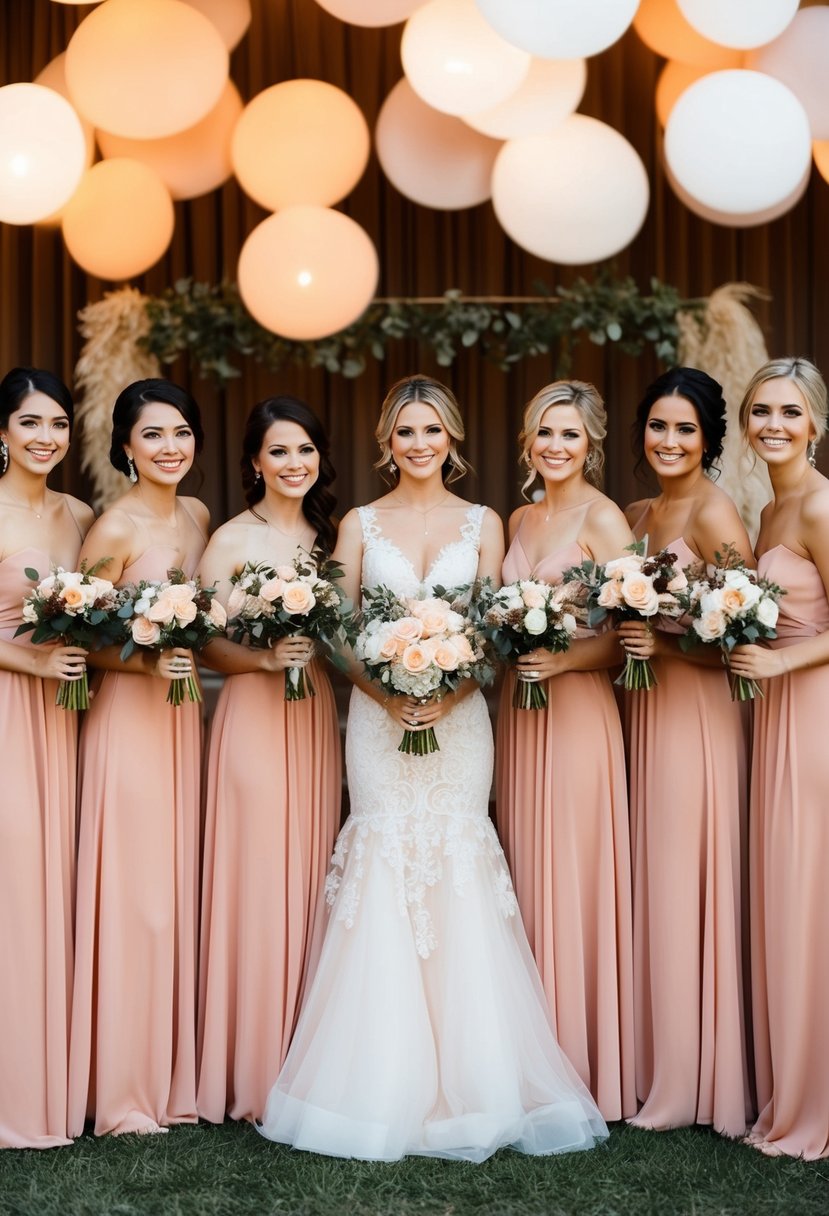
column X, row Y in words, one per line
column 25, row 506
column 424, row 511
column 269, row 523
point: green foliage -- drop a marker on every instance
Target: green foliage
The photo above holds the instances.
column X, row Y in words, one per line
column 211, row 323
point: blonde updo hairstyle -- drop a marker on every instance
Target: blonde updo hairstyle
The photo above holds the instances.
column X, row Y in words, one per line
column 807, row 378
column 587, row 400
column 442, row 400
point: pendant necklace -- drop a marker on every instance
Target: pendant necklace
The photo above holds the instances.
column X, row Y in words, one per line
column 423, row 512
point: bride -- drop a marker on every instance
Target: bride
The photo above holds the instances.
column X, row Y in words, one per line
column 425, row 1029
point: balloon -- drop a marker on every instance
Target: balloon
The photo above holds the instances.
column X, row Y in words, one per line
column 748, row 219
column 42, row 152
column 53, row 76
column 738, row 142
column 302, row 141
column 674, row 79
column 560, row 29
column 307, row 272
column 663, row 27
column 119, row 221
column 739, row 23
column 551, row 91
column 230, row 17
column 371, row 12
column 799, row 59
column 432, row 158
column 456, row 62
column 820, row 150
column 146, row 68
column 193, row 162
column 575, row 196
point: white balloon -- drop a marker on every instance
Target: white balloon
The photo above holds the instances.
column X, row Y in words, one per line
column 432, row 158
column 799, row 58
column 371, row 12
column 749, row 219
column 560, row 29
column 42, row 152
column 552, row 91
column 739, row 23
column 575, row 196
column 456, row 62
column 738, row 142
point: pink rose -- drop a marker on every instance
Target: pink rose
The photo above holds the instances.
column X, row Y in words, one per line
column 286, row 573
column 638, row 593
column 408, row 629
column 145, row 632
column 415, row 659
column 298, row 598
column 272, row 589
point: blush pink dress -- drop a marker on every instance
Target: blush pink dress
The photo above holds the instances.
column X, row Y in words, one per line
column 132, row 1065
column 688, row 799
column 563, row 820
column 274, row 789
column 37, row 870
column 789, row 867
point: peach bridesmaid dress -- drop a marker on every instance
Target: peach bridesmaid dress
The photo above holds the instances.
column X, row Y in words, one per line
column 789, row 860
column 688, row 796
column 132, row 1064
column 563, row 820
column 274, row 788
column 37, row 870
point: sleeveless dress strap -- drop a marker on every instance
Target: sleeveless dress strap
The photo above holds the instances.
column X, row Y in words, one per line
column 642, row 516
column 471, row 530
column 67, row 503
column 369, row 525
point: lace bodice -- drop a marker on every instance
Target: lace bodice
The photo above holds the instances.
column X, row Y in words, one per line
column 386, row 565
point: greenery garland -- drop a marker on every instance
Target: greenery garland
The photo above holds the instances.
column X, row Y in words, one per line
column 212, row 325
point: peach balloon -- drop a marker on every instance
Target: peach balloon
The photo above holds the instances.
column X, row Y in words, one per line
column 799, row 58
column 120, row 220
column 674, row 79
column 739, row 23
column 664, row 28
column 230, row 17
column 307, row 272
column 146, row 68
column 432, row 158
column 371, row 12
column 42, row 152
column 193, row 162
column 53, row 76
column 820, row 151
column 302, row 141
column 551, row 91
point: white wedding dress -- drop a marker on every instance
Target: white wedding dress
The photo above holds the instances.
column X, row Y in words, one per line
column 425, row 1028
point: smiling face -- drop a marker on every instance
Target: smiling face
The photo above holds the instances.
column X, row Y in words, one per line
column 779, row 426
column 674, row 442
column 37, row 434
column 561, row 444
column 161, row 444
column 419, row 441
column 288, row 460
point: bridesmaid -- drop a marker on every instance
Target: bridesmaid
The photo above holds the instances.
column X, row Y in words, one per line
column 273, row 780
column 783, row 416
column 132, row 1062
column 687, row 793
column 562, row 806
column 39, row 528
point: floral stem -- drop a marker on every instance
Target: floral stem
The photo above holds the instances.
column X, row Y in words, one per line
column 529, row 694
column 419, row 742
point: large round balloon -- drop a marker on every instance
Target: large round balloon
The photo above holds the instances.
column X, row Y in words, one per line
column 575, row 196
column 560, row 29
column 195, row 161
column 432, row 158
column 42, row 152
column 738, row 142
column 302, row 141
column 53, row 76
column 739, row 23
column 664, row 28
column 732, row 219
column 551, row 91
column 230, row 17
column 371, row 12
column 307, row 272
column 674, row 79
column 820, row 150
column 799, row 58
column 146, row 68
column 119, row 221
column 456, row 62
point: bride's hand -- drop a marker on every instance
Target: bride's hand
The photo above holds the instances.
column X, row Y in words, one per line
column 412, row 714
column 541, row 665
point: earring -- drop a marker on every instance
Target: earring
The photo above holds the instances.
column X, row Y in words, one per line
column 133, row 476
column 810, row 452
column 258, row 476
column 590, row 461
column 392, row 467
column 4, row 456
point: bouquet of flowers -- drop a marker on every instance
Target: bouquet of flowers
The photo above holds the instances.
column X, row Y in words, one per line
column 630, row 588
column 176, row 611
column 269, row 603
column 729, row 606
column 421, row 648
column 74, row 608
column 520, row 618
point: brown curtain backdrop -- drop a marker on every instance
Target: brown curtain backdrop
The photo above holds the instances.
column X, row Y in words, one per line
column 422, row 252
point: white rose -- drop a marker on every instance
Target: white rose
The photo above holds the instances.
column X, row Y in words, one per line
column 568, row 622
column 535, row 621
column 515, row 603
column 711, row 601
column 29, row 613
column 767, row 612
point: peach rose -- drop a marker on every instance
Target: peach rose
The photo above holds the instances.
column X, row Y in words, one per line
column 388, row 647
column 610, row 595
column 217, row 614
column 236, row 601
column 446, row 657
column 145, row 632
column 460, row 644
column 631, row 563
column 164, row 608
column 678, row 583
column 638, row 593
column 408, row 629
column 286, row 573
column 436, row 620
column 415, row 659
column 710, row 626
column 272, row 589
column 73, row 599
column 532, row 596
column 181, row 598
column 298, row 598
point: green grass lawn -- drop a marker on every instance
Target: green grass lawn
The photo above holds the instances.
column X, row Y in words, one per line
column 231, row 1171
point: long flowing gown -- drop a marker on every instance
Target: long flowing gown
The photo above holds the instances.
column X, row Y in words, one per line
column 274, row 790
column 789, row 863
column 425, row 1029
column 563, row 819
column 37, row 872
column 132, row 1064
column 688, row 801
